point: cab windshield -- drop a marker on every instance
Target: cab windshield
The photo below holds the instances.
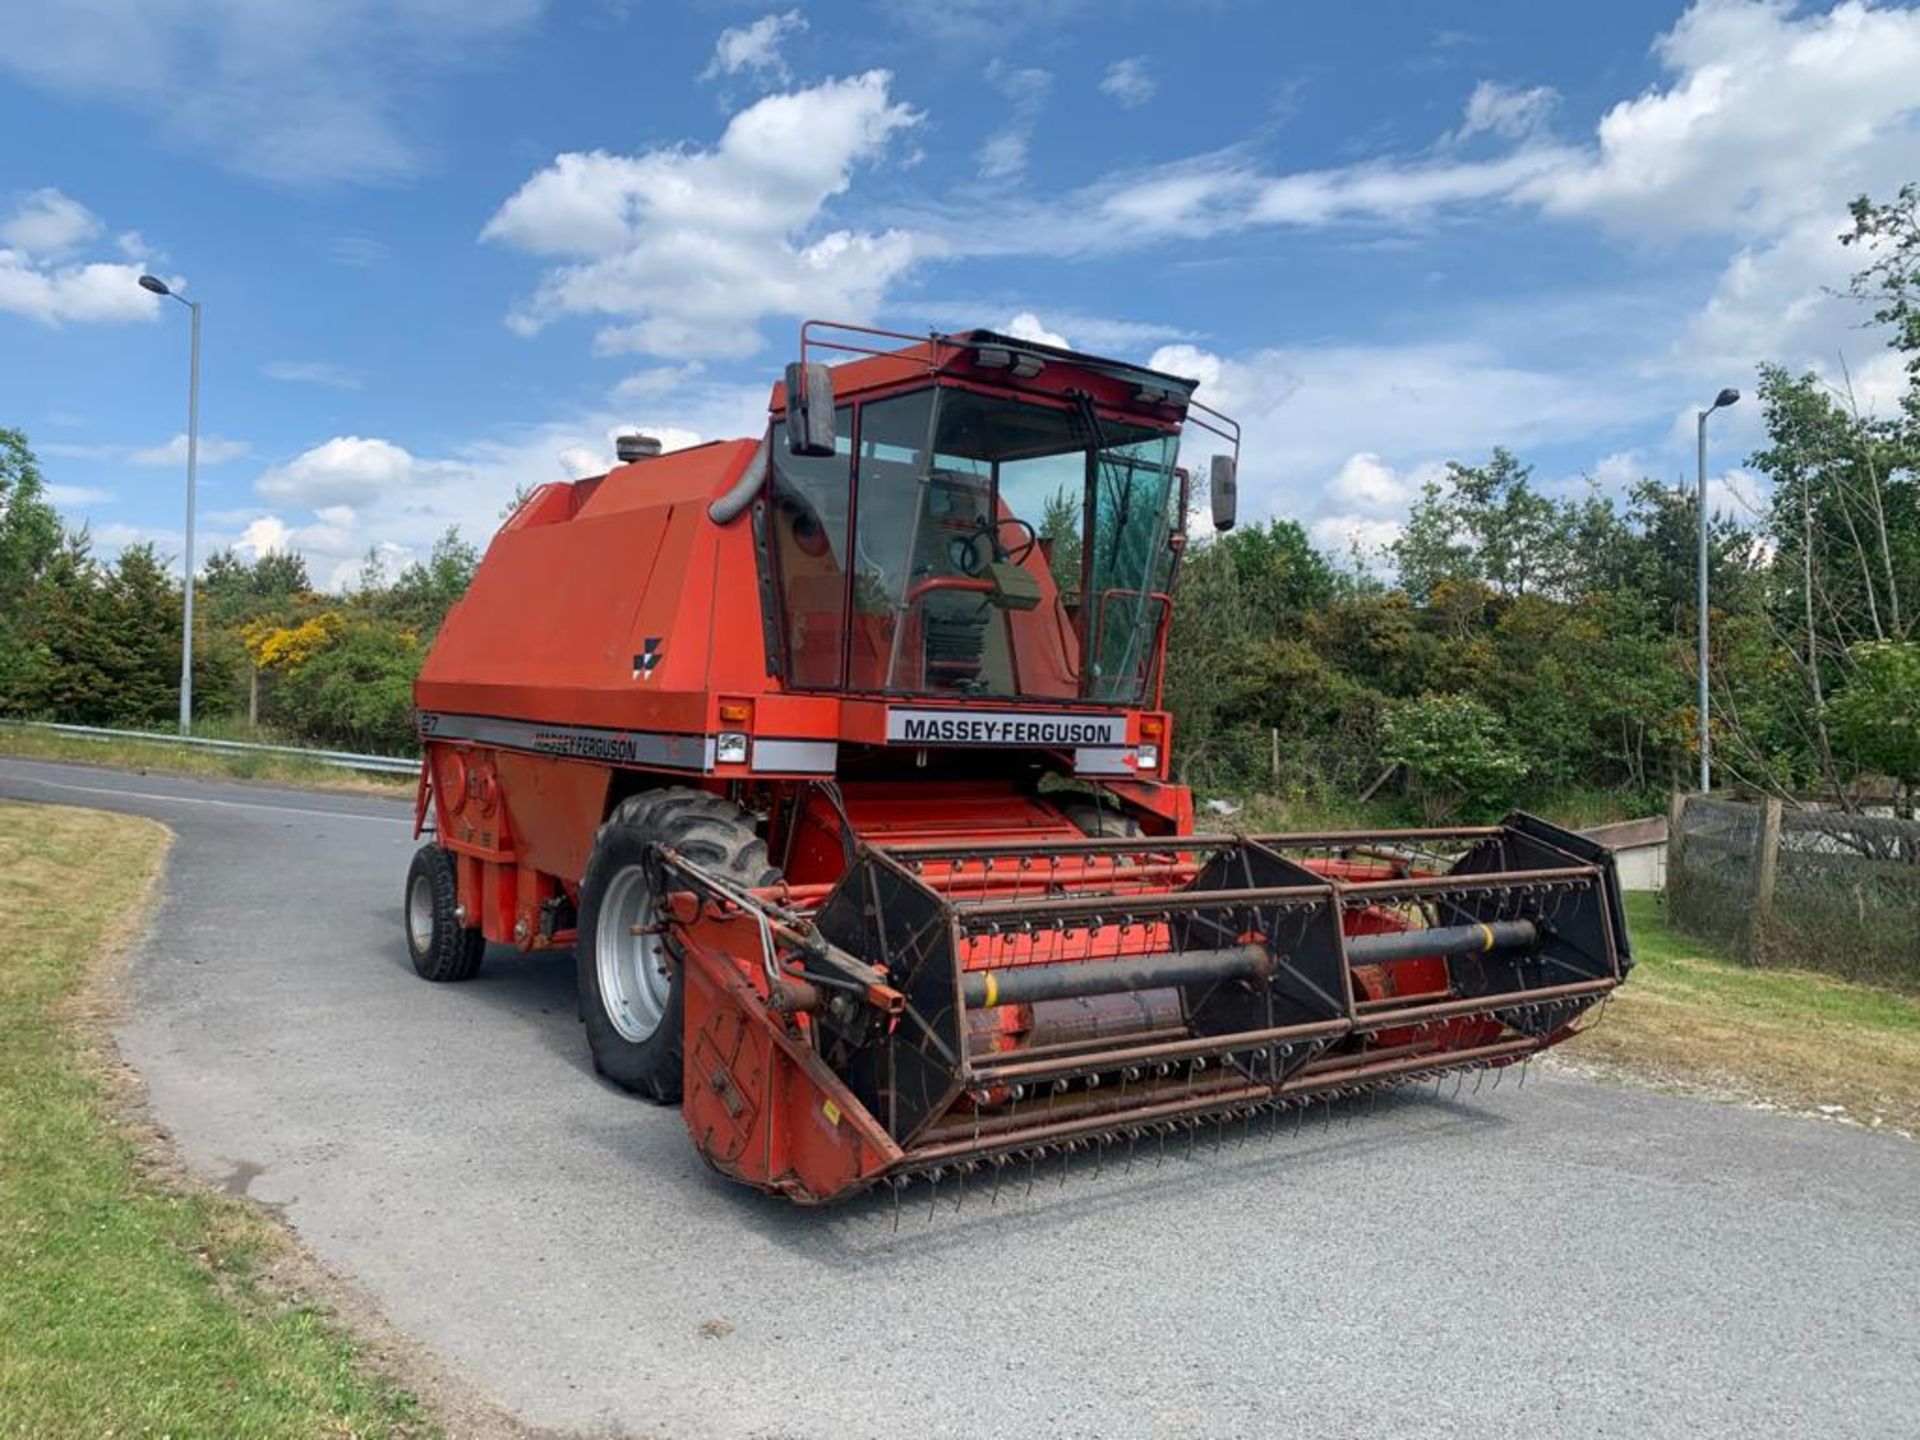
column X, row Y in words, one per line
column 965, row 544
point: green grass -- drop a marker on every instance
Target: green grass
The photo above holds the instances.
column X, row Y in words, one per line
column 131, row 1304
column 1692, row 1015
column 29, row 743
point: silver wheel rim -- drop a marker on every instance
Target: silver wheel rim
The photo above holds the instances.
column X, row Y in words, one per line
column 420, row 914
column 634, row 983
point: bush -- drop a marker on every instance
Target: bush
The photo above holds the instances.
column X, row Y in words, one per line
column 356, row 693
column 1456, row 753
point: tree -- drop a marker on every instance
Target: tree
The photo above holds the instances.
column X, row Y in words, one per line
column 29, row 540
column 1876, row 719
column 420, row 597
column 1456, row 754
column 237, row 590
column 1281, row 574
column 1060, row 537
column 1890, row 230
column 1485, row 523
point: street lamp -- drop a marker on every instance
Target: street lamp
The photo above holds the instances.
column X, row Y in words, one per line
column 1720, row 402
column 160, row 287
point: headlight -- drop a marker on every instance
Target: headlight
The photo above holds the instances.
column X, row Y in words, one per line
column 731, row 749
column 1146, row 757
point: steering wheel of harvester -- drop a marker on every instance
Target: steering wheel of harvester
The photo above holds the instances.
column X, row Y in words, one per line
column 964, row 550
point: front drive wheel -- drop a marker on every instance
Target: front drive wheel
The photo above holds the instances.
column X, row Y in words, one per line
column 630, row 991
column 443, row 947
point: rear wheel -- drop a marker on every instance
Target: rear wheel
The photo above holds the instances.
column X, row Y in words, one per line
column 442, row 945
column 630, row 990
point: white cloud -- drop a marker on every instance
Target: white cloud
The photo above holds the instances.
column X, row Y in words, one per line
column 1770, row 113
column 658, row 380
column 1511, row 114
column 1615, row 472
column 339, row 499
column 1354, row 430
column 1129, row 81
column 694, row 247
column 1769, row 116
column 1026, row 326
column 45, row 221
column 299, row 91
column 264, row 536
column 84, row 294
column 40, row 282
column 755, row 48
column 1361, row 537
column 68, row 497
column 214, row 450
column 346, row 470
column 1366, row 482
column 1003, row 155
column 312, row 372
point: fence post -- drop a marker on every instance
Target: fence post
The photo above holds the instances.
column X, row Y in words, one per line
column 1766, row 869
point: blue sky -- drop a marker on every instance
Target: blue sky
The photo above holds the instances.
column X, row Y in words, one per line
column 449, row 248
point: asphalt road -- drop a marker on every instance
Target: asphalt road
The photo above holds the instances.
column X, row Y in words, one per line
column 1568, row 1259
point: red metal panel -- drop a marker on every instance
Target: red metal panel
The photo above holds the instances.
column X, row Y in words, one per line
column 556, row 806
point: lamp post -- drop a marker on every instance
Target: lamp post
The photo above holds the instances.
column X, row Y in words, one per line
column 1720, row 401
column 160, row 287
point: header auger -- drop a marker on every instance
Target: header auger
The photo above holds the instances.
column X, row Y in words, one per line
column 838, row 762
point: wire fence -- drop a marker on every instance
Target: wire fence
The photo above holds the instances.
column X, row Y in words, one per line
column 1786, row 885
column 338, row 759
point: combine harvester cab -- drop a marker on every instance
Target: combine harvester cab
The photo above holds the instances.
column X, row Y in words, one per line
column 838, row 761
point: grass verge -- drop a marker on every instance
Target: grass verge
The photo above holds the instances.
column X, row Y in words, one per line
column 131, row 1304
column 1692, row 1017
column 28, row 743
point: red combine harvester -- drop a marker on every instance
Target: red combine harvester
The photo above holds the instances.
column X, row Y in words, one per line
column 837, row 760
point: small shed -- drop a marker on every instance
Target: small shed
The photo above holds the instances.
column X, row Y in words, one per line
column 1639, row 850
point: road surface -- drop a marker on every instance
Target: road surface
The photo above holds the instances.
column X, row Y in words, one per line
column 1571, row 1259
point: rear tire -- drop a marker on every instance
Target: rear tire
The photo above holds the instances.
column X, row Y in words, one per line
column 442, row 946
column 631, row 996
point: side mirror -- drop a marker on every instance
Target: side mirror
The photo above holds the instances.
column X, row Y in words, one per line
column 1225, row 485
column 809, row 410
